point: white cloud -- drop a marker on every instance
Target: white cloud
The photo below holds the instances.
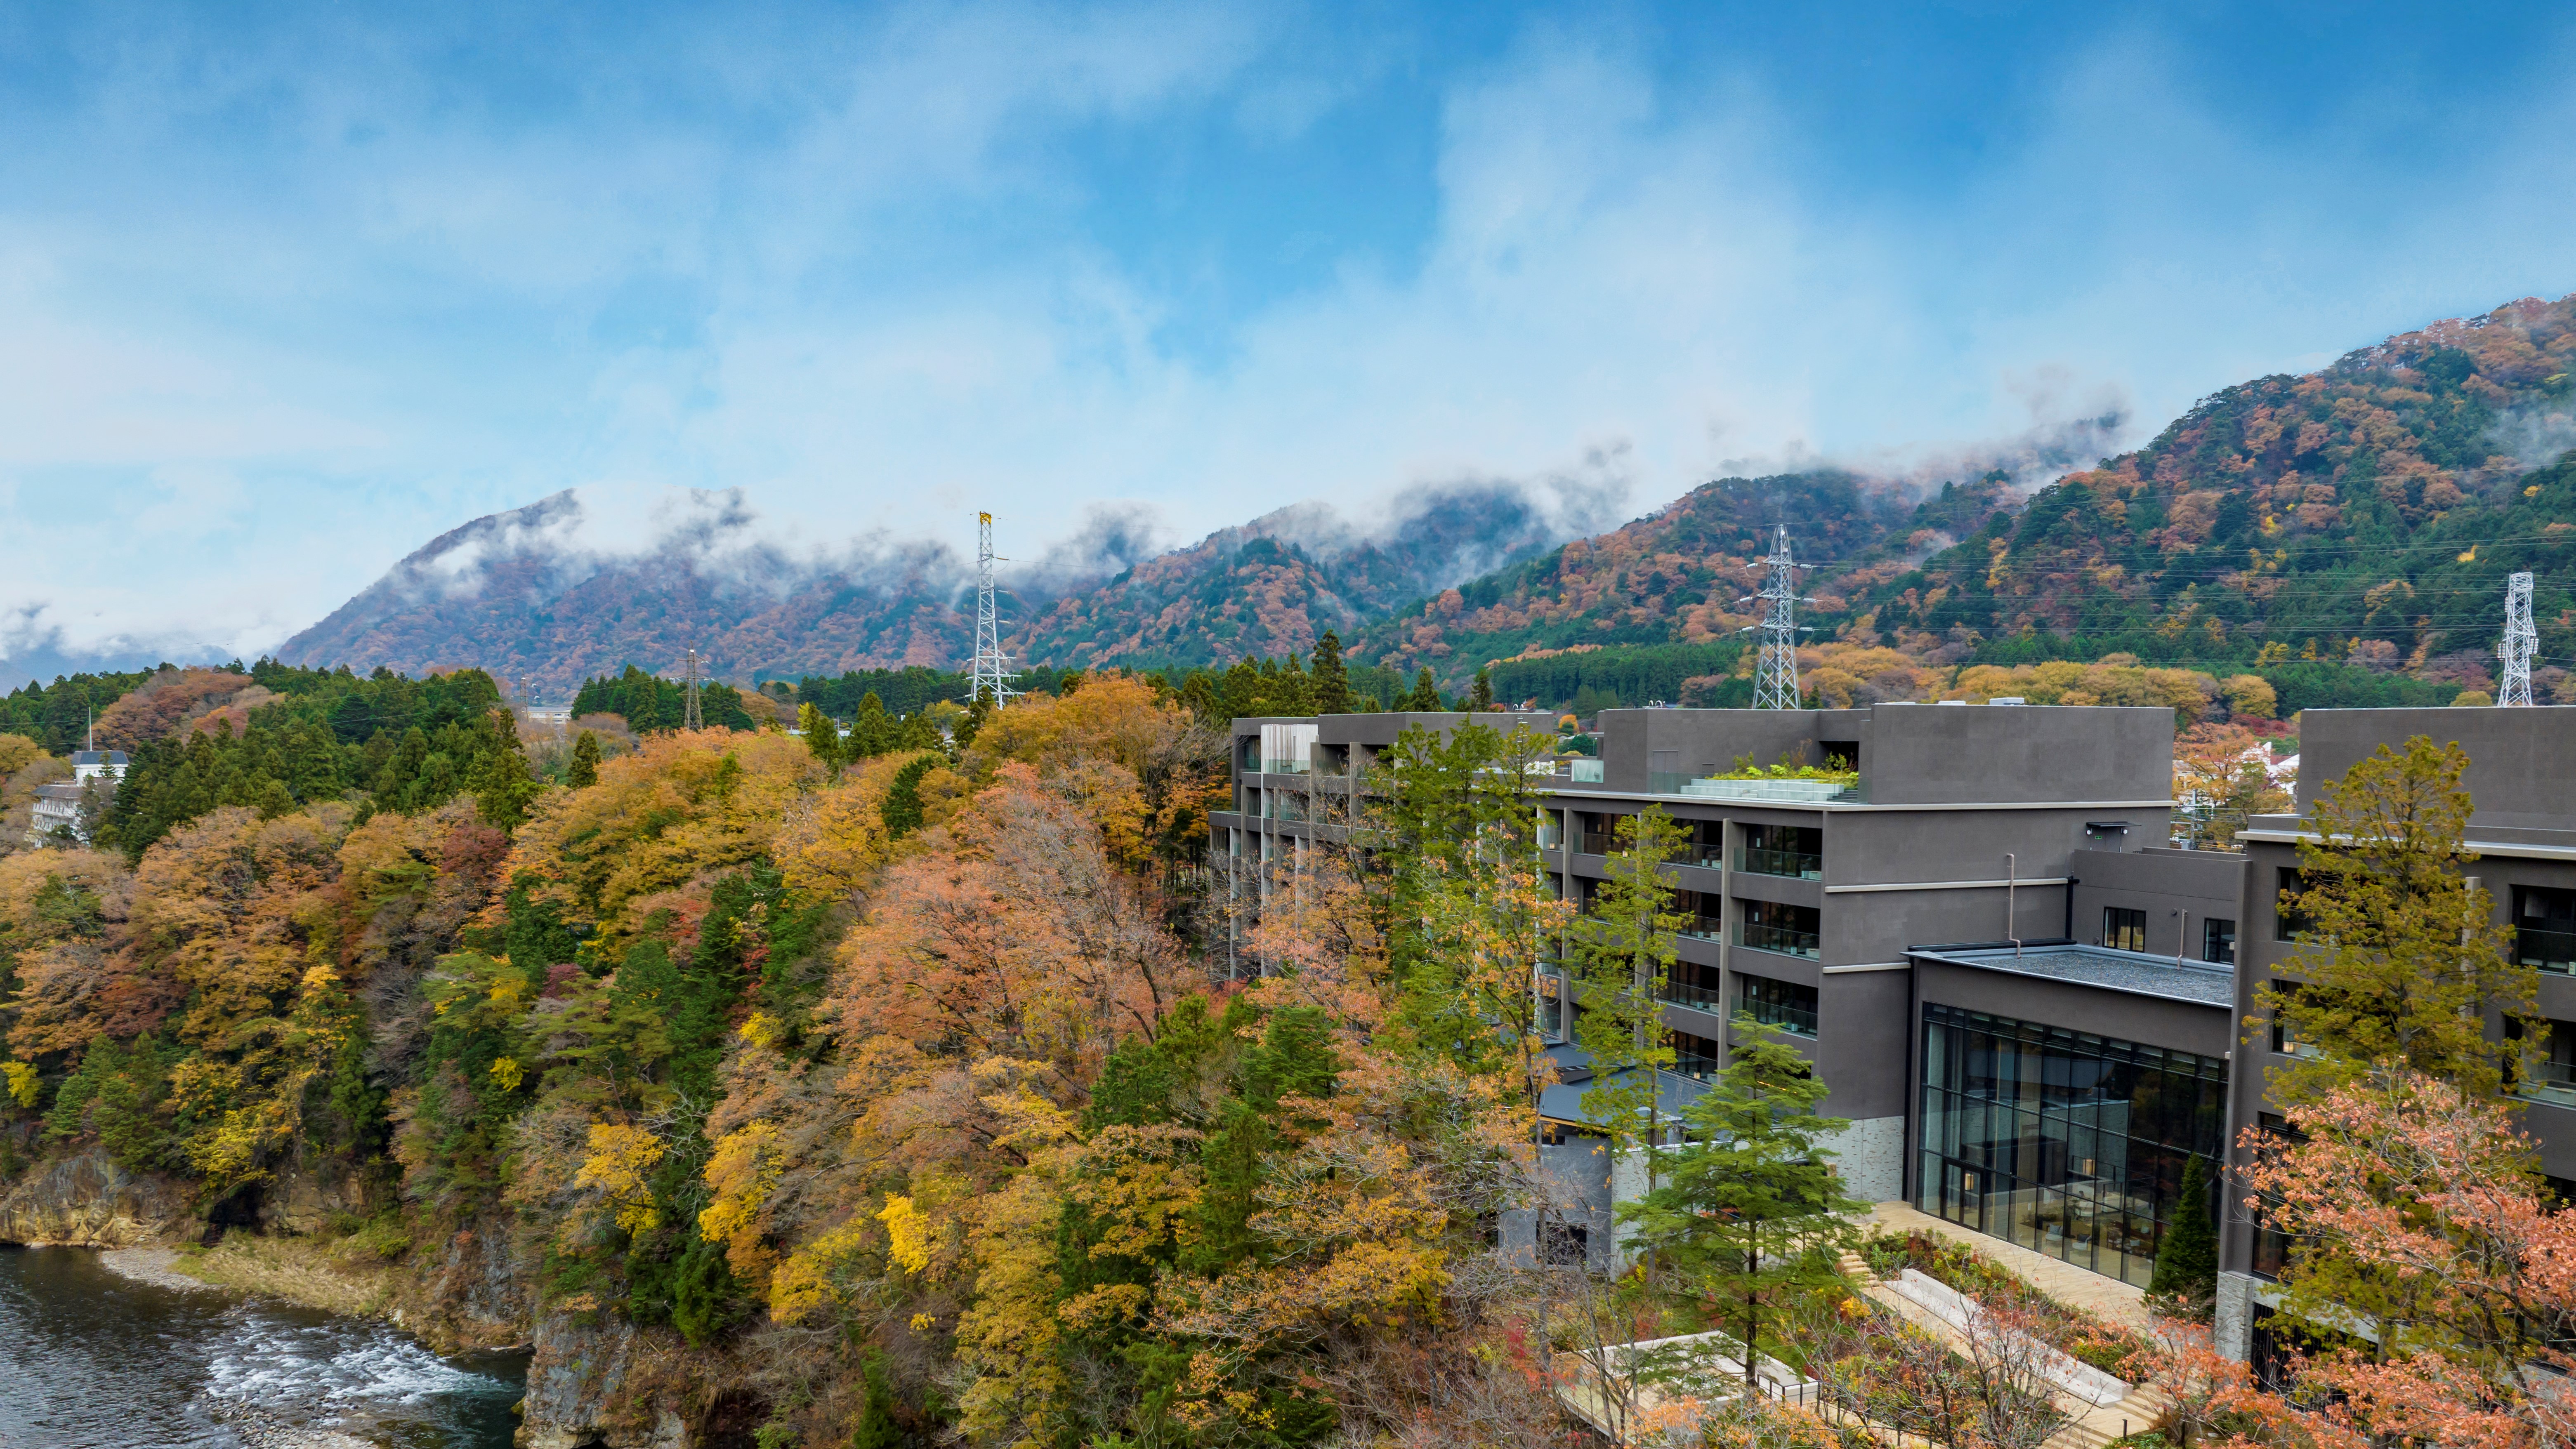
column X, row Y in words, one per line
column 859, row 282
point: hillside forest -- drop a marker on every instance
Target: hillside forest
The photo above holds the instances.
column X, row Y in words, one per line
column 2365, row 514
column 845, row 1089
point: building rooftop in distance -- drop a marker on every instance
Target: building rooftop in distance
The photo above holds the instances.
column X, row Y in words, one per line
column 2105, row 968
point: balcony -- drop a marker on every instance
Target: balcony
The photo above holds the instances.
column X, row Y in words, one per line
column 1597, row 842
column 1793, row 1019
column 1283, row 767
column 1795, row 864
column 2548, row 950
column 1780, row 939
column 2553, row 1082
column 1698, row 998
column 1703, row 928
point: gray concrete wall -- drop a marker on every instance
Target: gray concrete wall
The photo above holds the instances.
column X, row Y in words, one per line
column 2522, row 762
column 2153, row 1021
column 2162, row 883
column 1914, row 754
column 1931, row 755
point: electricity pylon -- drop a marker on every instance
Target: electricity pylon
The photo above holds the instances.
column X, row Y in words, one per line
column 1775, row 675
column 695, row 720
column 2521, row 640
column 991, row 673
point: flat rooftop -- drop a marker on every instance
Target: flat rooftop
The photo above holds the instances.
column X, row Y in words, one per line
column 2139, row 974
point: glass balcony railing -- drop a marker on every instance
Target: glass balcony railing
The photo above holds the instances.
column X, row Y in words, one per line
column 1795, row 1020
column 2553, row 1082
column 1704, row 853
column 2548, row 950
column 1597, row 842
column 1798, row 864
column 1683, row 993
column 1780, row 939
column 1704, row 928
column 1696, row 1067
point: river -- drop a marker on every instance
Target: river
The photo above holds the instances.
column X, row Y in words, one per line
column 90, row 1359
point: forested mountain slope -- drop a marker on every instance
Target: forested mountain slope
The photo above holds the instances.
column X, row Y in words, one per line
column 512, row 594
column 2367, row 513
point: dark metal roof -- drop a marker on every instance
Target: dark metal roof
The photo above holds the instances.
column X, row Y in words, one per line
column 2135, row 972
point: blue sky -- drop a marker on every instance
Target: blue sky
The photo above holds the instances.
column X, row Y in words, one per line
column 286, row 290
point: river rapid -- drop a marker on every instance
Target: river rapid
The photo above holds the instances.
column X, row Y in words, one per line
column 91, row 1359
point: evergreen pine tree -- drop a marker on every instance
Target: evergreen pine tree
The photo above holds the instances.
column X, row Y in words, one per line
column 822, row 736
column 901, row 809
column 1332, row 680
column 2187, row 1261
column 1426, row 695
column 1752, row 1210
column 871, row 730
column 877, row 1428
column 1481, row 698
column 585, row 761
column 1624, row 954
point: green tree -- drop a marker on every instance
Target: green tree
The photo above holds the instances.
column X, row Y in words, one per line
column 1425, row 696
column 901, row 808
column 2403, row 964
column 1466, row 901
column 1332, row 680
column 1753, row 1210
column 1624, row 955
column 822, row 736
column 2187, row 1261
column 871, row 730
column 585, row 760
column 1480, row 697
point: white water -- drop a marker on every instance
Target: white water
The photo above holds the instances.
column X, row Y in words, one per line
column 90, row 1360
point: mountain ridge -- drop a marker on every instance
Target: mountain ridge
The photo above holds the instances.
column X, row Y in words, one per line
column 2248, row 520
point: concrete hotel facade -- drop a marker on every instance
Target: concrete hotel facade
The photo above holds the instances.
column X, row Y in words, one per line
column 2522, row 781
column 2050, row 1088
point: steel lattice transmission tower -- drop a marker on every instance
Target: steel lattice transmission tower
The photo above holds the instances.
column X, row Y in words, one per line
column 2521, row 640
column 1775, row 675
column 991, row 674
column 693, row 719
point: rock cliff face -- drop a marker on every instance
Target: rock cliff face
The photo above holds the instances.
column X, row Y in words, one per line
column 89, row 1201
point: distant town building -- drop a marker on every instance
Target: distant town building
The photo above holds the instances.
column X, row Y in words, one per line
column 57, row 813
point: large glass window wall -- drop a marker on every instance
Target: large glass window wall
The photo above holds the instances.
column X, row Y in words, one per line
column 2070, row 1144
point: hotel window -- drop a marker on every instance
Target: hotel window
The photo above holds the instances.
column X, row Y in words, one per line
column 2271, row 1245
column 2544, row 928
column 2285, row 1039
column 2124, row 929
column 1783, row 1004
column 2218, row 941
column 2287, row 923
column 1771, row 926
column 2551, row 1076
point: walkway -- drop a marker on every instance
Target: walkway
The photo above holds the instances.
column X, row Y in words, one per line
column 2121, row 1303
column 2088, row 1425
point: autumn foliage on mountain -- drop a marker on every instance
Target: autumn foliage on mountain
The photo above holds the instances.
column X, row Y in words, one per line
column 2365, row 515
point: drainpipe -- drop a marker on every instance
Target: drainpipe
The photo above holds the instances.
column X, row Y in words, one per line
column 2011, row 882
column 2071, row 883
column 2181, row 936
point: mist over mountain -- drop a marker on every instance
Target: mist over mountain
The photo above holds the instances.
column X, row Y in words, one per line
column 564, row 588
